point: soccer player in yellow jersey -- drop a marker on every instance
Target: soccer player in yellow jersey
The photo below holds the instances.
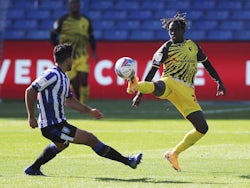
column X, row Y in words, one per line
column 179, row 58
column 77, row 30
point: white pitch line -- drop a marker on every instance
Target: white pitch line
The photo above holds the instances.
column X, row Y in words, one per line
column 175, row 112
column 226, row 110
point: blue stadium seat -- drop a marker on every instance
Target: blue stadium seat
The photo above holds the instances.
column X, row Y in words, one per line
column 15, row 13
column 98, row 34
column 140, row 14
column 169, row 13
column 8, row 23
column 217, row 15
column 219, row 35
column 101, row 5
column 38, row 14
column 55, row 14
column 204, row 5
column 17, row 4
column 46, row 24
column 95, row 14
column 242, row 35
column 11, row 34
column 153, row 5
column 103, row 24
column 247, row 25
column 178, row 5
column 204, row 24
column 25, row 24
column 161, row 35
column 246, row 5
column 127, row 5
column 230, row 4
column 151, row 24
column 115, row 14
column 196, row 35
column 241, row 14
column 38, row 34
column 115, row 34
column 128, row 24
column 195, row 14
column 51, row 4
column 234, row 25
column 141, row 35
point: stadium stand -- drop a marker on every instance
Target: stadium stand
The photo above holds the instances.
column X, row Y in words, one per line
column 215, row 20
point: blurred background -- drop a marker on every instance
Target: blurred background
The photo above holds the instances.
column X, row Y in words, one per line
column 127, row 28
column 130, row 19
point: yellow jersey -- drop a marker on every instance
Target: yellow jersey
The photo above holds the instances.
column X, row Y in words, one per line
column 179, row 60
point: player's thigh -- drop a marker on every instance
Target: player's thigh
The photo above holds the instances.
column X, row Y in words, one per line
column 84, row 77
column 184, row 98
column 60, row 133
column 86, row 138
column 81, row 64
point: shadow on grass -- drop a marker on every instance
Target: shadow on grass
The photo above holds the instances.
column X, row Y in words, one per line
column 155, row 181
column 245, row 176
column 143, row 180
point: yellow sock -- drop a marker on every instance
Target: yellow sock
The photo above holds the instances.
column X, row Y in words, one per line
column 146, row 87
column 84, row 94
column 189, row 139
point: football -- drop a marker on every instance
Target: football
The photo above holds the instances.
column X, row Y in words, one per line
column 125, row 67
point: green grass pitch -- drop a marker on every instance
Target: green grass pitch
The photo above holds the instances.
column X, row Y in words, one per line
column 220, row 159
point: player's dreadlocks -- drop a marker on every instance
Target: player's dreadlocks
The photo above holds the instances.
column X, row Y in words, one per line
column 179, row 18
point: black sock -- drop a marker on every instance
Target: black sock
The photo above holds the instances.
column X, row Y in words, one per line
column 110, row 153
column 48, row 153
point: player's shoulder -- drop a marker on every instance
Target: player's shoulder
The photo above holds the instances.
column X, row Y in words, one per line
column 189, row 41
column 83, row 16
column 52, row 71
column 167, row 44
column 61, row 19
column 64, row 16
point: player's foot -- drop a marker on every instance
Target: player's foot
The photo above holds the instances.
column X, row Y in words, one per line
column 33, row 172
column 173, row 159
column 135, row 160
column 132, row 85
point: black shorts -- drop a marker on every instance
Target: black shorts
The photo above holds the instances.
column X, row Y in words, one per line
column 61, row 132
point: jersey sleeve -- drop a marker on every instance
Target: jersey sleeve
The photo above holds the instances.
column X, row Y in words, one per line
column 161, row 54
column 43, row 81
column 56, row 30
column 201, row 57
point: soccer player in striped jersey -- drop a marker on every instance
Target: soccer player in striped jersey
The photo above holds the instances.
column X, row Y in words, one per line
column 179, row 58
column 77, row 30
column 52, row 91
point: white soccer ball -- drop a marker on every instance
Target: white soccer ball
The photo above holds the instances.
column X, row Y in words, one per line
column 125, row 67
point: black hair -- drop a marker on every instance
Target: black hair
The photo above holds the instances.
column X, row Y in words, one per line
column 62, row 52
column 179, row 18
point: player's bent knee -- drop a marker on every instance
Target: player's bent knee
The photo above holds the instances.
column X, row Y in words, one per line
column 202, row 129
column 159, row 88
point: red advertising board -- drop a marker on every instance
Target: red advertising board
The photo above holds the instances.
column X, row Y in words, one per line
column 23, row 61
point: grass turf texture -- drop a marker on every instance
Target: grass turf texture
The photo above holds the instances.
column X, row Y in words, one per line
column 220, row 159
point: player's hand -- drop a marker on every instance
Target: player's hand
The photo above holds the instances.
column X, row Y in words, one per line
column 33, row 122
column 221, row 90
column 136, row 101
column 96, row 113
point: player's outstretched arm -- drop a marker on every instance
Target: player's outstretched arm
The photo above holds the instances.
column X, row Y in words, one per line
column 73, row 103
column 137, row 99
column 221, row 90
